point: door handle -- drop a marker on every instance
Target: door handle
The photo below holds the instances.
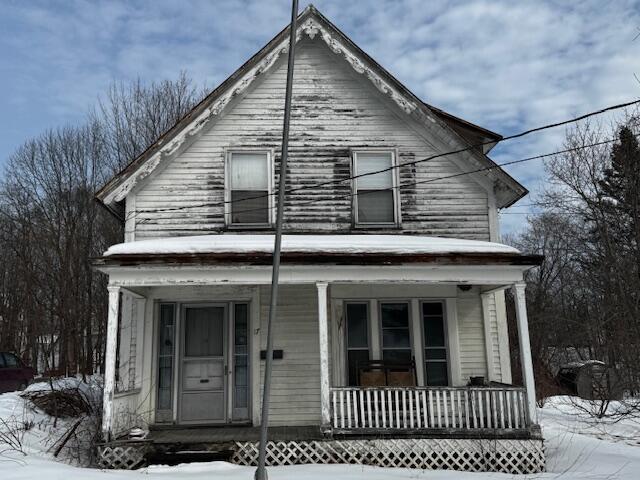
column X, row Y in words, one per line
column 204, row 380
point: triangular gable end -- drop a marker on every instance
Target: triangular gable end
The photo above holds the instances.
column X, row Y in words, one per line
column 452, row 132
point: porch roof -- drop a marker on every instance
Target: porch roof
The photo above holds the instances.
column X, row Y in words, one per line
column 349, row 249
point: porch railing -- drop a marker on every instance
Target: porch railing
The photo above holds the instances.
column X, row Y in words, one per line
column 409, row 408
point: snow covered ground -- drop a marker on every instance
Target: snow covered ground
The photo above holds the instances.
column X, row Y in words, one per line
column 578, row 447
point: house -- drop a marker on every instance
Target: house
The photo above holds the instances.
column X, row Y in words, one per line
column 391, row 344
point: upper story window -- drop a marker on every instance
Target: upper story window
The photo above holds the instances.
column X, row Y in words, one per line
column 249, row 185
column 375, row 196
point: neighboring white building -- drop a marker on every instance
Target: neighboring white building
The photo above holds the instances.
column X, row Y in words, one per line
column 392, row 298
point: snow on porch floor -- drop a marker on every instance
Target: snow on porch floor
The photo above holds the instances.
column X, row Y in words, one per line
column 577, row 449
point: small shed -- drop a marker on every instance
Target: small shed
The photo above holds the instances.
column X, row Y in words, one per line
column 590, row 379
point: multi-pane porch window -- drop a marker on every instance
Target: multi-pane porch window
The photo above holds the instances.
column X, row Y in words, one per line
column 374, row 195
column 241, row 361
column 395, row 330
column 435, row 344
column 166, row 345
column 249, row 184
column 357, row 317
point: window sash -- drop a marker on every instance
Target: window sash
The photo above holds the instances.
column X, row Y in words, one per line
column 351, row 371
column 438, row 351
column 249, row 183
column 387, row 332
column 375, row 198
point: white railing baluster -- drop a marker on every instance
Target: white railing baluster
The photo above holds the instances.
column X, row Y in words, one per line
column 410, row 410
column 427, row 407
column 404, row 408
column 383, row 409
column 425, row 413
column 375, row 408
column 348, row 408
column 354, row 399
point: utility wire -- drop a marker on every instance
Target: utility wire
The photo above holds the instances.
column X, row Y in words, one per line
column 419, row 182
column 413, row 162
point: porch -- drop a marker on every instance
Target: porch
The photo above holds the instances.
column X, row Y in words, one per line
column 444, row 317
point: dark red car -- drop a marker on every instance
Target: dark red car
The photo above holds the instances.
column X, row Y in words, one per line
column 14, row 374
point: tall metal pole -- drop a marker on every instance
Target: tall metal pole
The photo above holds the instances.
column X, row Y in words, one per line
column 261, row 472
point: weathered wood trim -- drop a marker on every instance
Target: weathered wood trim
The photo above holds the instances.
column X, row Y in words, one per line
column 525, row 350
column 265, row 258
column 418, row 339
column 323, row 326
column 130, row 217
column 157, row 276
column 110, row 361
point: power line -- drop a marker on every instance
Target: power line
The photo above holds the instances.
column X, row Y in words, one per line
column 418, row 182
column 413, row 162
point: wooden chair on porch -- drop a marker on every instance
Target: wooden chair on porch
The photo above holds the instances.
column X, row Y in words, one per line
column 381, row 373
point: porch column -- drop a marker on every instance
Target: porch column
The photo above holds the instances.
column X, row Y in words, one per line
column 323, row 325
column 110, row 361
column 526, row 363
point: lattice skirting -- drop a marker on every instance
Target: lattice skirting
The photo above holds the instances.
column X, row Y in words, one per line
column 509, row 456
column 125, row 456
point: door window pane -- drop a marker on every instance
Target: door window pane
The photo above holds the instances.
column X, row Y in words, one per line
column 375, row 197
column 396, row 337
column 357, row 317
column 435, row 353
column 204, row 332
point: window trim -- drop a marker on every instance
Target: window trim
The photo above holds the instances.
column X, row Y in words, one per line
column 346, row 348
column 447, row 346
column 395, row 182
column 228, row 153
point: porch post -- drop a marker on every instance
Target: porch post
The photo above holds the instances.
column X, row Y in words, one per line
column 323, row 325
column 110, row 361
column 526, row 363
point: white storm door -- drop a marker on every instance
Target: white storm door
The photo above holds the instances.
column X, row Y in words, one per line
column 203, row 365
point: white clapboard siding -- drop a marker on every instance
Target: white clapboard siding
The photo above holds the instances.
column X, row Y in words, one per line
column 295, row 388
column 334, row 110
column 473, row 360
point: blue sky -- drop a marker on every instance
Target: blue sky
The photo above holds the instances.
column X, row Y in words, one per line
column 502, row 64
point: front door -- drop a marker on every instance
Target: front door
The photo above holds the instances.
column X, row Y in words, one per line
column 203, row 365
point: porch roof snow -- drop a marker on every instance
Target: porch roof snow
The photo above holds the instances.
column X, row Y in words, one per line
column 309, row 244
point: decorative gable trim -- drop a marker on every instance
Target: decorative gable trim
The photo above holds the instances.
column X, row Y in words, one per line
column 313, row 25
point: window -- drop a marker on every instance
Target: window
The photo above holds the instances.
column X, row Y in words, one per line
column 357, row 317
column 249, row 188
column 435, row 344
column 241, row 360
column 166, row 338
column 11, row 360
column 375, row 196
column 2, row 364
column 396, row 335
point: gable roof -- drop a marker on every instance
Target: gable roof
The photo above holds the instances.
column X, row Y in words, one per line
column 452, row 130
